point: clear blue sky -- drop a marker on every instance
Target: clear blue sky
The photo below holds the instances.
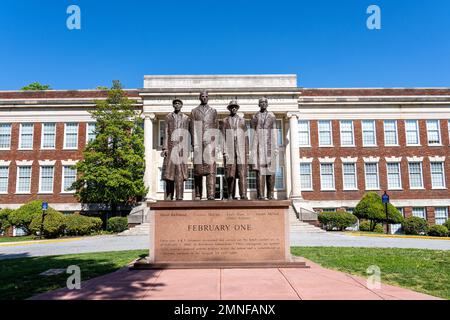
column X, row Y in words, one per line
column 326, row 43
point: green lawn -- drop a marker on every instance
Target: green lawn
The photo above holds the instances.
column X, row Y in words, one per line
column 426, row 271
column 20, row 279
column 14, row 239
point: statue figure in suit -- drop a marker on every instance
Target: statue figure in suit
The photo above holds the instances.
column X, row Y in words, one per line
column 264, row 150
column 235, row 151
column 175, row 151
column 204, row 133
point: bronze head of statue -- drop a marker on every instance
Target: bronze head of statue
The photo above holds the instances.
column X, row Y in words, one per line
column 233, row 107
column 204, row 97
column 263, row 104
column 177, row 105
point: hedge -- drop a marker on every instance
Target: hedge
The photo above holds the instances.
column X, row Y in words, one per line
column 366, row 226
column 23, row 216
column 447, row 224
column 54, row 224
column 415, row 225
column 5, row 222
column 117, row 224
column 438, row 231
column 337, row 220
column 78, row 225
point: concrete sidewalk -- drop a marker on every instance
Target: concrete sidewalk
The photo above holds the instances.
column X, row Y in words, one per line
column 314, row 283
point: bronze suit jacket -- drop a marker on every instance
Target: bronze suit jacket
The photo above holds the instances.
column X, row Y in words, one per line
column 203, row 120
column 238, row 149
column 264, row 143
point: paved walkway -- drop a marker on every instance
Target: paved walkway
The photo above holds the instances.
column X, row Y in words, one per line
column 314, row 283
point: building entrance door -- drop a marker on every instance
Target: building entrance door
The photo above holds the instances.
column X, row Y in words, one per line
column 221, row 191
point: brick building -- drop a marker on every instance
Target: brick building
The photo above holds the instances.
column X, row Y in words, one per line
column 336, row 144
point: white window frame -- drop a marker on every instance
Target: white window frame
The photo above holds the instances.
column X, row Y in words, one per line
column 40, row 179
column 396, row 133
column 443, row 176
column 440, row 218
column 63, row 179
column 353, row 133
column 160, row 142
column 333, row 188
column 18, row 176
column 87, row 130
column 7, row 179
column 417, row 133
column 399, row 166
column 309, row 164
column 424, row 212
column 42, row 136
column 20, row 136
column 378, row 176
column 308, row 132
column 421, row 175
column 374, row 133
column 65, row 136
column 10, row 135
column 248, row 178
column 355, row 172
column 283, row 179
column 331, row 133
column 438, row 132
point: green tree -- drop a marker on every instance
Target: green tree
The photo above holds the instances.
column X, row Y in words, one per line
column 101, row 88
column 372, row 208
column 36, row 86
column 5, row 222
column 112, row 171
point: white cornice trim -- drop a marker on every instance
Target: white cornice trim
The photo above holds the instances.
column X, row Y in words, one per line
column 306, row 160
column 349, row 159
column 47, row 162
column 371, row 159
column 414, row 159
column 4, row 163
column 24, row 162
column 437, row 159
column 69, row 162
column 393, row 159
column 327, row 160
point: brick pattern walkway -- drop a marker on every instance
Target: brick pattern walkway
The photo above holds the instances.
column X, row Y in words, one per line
column 314, row 283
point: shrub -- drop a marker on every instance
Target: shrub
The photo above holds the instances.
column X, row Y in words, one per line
column 438, row 231
column 54, row 224
column 23, row 216
column 5, row 222
column 415, row 225
column 117, row 224
column 337, row 220
column 365, row 226
column 371, row 208
column 78, row 225
column 447, row 224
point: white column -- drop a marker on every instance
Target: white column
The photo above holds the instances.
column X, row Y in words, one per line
column 295, row 156
column 148, row 151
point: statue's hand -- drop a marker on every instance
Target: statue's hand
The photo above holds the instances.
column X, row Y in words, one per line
column 164, row 153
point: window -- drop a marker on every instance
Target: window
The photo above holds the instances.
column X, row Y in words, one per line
column 419, row 212
column 349, row 176
column 48, row 136
column 279, row 178
column 23, row 179
column 71, row 135
column 390, row 133
column 305, row 176
column 372, row 181
column 369, row 133
column 162, row 183
column 303, row 133
column 4, row 173
column 251, row 179
column 394, row 176
column 26, row 136
column 412, row 132
column 69, row 177
column 347, row 138
column 279, row 125
column 46, row 183
column 90, row 131
column 415, row 175
column 325, row 133
column 433, row 132
column 441, row 214
column 326, row 176
column 396, row 228
column 437, row 175
column 5, row 135
column 162, row 132
column 189, row 183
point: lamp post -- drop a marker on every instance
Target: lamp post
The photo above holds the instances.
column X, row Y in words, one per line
column 385, row 200
column 44, row 211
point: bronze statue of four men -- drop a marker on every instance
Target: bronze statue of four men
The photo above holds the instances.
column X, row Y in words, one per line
column 201, row 132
